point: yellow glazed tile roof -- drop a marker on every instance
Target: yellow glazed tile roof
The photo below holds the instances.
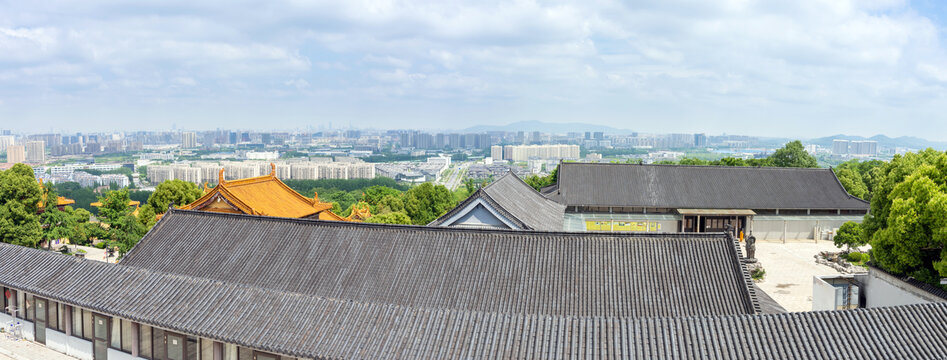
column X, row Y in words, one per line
column 262, row 195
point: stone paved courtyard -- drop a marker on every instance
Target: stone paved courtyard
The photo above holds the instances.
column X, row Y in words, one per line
column 789, row 271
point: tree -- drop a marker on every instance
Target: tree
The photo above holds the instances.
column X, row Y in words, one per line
column 178, row 192
column 793, row 155
column 147, row 216
column 124, row 229
column 906, row 225
column 858, row 177
column 57, row 224
column 852, row 182
column 539, row 182
column 849, row 234
column 389, row 204
column 396, row 217
column 426, row 202
column 85, row 230
column 20, row 196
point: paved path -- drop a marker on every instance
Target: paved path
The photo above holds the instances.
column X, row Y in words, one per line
column 789, row 271
column 27, row 350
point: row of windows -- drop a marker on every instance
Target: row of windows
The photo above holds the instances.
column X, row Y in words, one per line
column 151, row 340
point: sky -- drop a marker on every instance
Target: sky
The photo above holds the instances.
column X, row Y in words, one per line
column 804, row 68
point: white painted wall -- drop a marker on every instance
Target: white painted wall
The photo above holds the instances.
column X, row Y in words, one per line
column 882, row 289
column 57, row 341
column 79, row 348
column 823, row 295
column 28, row 330
column 118, row 355
column 480, row 216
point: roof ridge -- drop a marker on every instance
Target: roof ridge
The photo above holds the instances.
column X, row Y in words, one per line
column 317, row 222
column 703, row 166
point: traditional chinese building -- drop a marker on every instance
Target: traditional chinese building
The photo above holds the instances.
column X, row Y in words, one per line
column 263, row 195
column 61, row 202
column 343, row 290
column 770, row 203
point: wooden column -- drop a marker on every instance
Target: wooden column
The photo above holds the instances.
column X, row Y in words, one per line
column 67, row 319
column 135, row 340
column 13, row 297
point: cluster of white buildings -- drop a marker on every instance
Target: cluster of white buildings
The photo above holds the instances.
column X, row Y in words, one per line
column 518, row 153
column 208, row 172
column 856, row 147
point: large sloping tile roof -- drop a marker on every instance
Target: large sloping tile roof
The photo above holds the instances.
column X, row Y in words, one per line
column 517, row 201
column 262, row 195
column 507, row 271
column 318, row 327
column 700, row 187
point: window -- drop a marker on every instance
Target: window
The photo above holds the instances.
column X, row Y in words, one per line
column 116, row 334
column 191, row 348
column 207, row 349
column 76, row 322
column 30, row 315
column 230, row 352
column 144, row 344
column 258, row 355
column 126, row 336
column 21, row 305
column 87, row 330
column 61, row 316
column 52, row 321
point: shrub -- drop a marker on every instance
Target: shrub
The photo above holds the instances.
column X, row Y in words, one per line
column 758, row 274
column 857, row 257
column 100, row 245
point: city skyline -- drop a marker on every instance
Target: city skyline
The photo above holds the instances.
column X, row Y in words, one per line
column 790, row 70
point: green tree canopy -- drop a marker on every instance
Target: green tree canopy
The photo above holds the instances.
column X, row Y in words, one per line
column 124, row 229
column 425, row 202
column 858, row 177
column 178, row 192
column 396, row 217
column 389, row 203
column 793, row 155
column 20, row 195
column 57, row 224
column 850, row 234
column 907, row 223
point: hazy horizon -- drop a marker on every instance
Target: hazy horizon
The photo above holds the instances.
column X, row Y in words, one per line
column 802, row 69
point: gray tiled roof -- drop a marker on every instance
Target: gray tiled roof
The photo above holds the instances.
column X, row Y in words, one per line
column 506, row 271
column 700, row 187
column 517, row 201
column 316, row 327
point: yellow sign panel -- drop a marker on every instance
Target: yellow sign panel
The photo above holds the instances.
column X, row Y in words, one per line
column 593, row 225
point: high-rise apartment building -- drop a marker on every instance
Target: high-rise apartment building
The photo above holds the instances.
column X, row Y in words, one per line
column 16, row 154
column 36, row 151
column 840, row 147
column 188, row 140
column 496, row 152
column 6, row 140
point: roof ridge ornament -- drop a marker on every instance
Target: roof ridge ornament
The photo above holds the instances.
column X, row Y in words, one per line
column 272, row 170
column 220, row 177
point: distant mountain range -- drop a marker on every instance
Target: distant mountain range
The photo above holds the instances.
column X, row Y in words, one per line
column 562, row 128
column 903, row 141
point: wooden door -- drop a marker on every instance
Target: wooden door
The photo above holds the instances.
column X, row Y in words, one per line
column 100, row 337
column 175, row 346
column 39, row 323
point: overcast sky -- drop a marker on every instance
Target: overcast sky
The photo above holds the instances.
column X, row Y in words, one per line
column 802, row 68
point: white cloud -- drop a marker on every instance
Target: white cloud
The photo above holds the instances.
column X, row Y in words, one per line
column 733, row 59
